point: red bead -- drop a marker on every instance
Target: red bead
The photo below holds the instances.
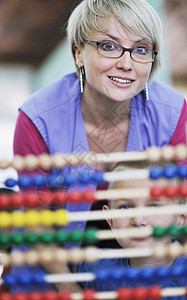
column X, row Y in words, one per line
column 60, row 197
column 75, row 196
column 31, row 199
column 45, row 198
column 89, row 295
column 50, row 295
column 140, row 293
column 65, row 295
column 171, row 191
column 124, row 294
column 20, row 296
column 155, row 292
column 5, row 296
column 183, row 190
column 36, row 296
column 89, row 196
column 4, row 201
column 156, row 191
column 17, row 200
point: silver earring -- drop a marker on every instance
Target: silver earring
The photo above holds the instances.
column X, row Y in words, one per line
column 81, row 79
column 146, row 92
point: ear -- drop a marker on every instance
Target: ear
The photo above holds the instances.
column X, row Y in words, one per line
column 78, row 56
column 182, row 219
column 109, row 221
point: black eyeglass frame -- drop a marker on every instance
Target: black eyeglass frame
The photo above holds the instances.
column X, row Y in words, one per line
column 155, row 53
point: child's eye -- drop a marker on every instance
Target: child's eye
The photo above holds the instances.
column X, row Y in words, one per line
column 127, row 206
column 155, row 205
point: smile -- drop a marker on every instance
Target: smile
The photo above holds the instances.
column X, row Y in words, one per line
column 121, row 80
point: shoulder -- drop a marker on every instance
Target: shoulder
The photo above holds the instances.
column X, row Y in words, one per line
column 58, row 92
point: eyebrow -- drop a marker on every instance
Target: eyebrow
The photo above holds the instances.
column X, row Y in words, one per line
column 118, row 40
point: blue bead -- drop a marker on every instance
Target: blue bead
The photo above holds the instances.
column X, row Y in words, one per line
column 85, row 177
column 10, row 279
column 39, row 278
column 59, row 181
column 70, row 178
column 118, row 274
column 24, row 181
column 147, row 273
column 170, row 172
column 24, row 278
column 178, row 271
column 51, row 179
column 10, row 182
column 161, row 272
column 182, row 172
column 102, row 275
column 133, row 273
column 155, row 172
column 97, row 177
column 39, row 181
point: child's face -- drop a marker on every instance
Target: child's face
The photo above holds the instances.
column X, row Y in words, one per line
column 141, row 222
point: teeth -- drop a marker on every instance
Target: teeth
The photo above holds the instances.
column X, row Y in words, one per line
column 120, row 80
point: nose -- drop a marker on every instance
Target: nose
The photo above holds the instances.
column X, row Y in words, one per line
column 125, row 62
column 139, row 221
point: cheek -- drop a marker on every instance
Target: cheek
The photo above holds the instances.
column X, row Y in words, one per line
column 120, row 223
column 164, row 221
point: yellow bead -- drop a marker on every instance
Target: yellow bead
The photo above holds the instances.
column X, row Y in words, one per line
column 61, row 217
column 18, row 219
column 47, row 218
column 5, row 219
column 32, row 218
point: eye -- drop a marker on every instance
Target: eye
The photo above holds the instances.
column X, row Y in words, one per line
column 155, row 205
column 108, row 46
column 126, row 206
column 142, row 50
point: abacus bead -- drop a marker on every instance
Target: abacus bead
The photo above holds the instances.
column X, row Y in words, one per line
column 102, row 275
column 181, row 152
column 39, row 278
column 24, row 278
column 171, row 191
column 61, row 237
column 76, row 236
column 10, row 279
column 5, row 220
column 85, row 177
column 24, row 181
column 173, row 230
column 124, row 294
column 17, row 258
column 44, row 161
column 4, row 240
column 97, row 177
column 118, row 274
column 182, row 172
column 75, row 196
column 4, row 201
column 17, row 200
column 39, row 181
column 60, row 197
column 31, row 161
column 139, row 293
column 90, row 235
column 5, row 259
column 58, row 161
column 46, row 218
column 32, row 218
column 20, row 296
column 65, row 295
column 50, row 295
column 89, row 196
column 35, row 296
column 32, row 238
column 155, row 292
column 162, row 272
column 61, row 217
column 183, row 190
column 153, row 154
column 159, row 232
column 184, row 229
column 46, row 256
column 169, row 172
column 155, row 173
column 174, row 250
column 31, row 199
column 168, row 153
column 18, row 162
column 4, row 164
column 6, row 296
column 10, row 182
column 32, row 257
column 160, row 251
column 76, row 255
column 61, row 255
column 47, row 238
column 179, row 271
column 18, row 219
column 91, row 255
column 156, row 191
column 147, row 273
column 133, row 273
column 89, row 295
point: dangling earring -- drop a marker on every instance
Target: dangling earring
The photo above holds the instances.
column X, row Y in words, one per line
column 81, row 79
column 146, row 92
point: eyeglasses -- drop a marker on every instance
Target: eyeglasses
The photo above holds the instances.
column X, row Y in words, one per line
column 112, row 50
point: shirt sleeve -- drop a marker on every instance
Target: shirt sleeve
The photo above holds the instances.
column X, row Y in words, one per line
column 27, row 139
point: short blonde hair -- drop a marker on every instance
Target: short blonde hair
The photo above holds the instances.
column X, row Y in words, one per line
column 137, row 16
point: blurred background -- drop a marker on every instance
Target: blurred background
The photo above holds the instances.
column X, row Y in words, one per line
column 34, row 52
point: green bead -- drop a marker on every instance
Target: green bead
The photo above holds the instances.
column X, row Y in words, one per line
column 47, row 238
column 18, row 239
column 184, row 229
column 32, row 238
column 76, row 236
column 159, row 232
column 61, row 237
column 173, row 230
column 4, row 239
column 90, row 235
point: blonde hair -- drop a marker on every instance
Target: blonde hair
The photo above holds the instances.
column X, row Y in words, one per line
column 137, row 16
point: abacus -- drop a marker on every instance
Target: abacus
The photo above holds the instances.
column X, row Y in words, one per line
column 42, row 191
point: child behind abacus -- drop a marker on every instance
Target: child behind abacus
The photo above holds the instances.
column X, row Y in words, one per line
column 141, row 240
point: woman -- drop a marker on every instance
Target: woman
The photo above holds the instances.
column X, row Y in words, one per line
column 111, row 103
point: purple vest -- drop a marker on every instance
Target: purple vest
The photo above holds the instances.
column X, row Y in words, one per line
column 56, row 112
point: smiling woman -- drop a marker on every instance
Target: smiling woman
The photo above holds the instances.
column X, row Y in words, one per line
column 103, row 106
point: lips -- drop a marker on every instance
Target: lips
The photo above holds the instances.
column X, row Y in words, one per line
column 121, row 80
